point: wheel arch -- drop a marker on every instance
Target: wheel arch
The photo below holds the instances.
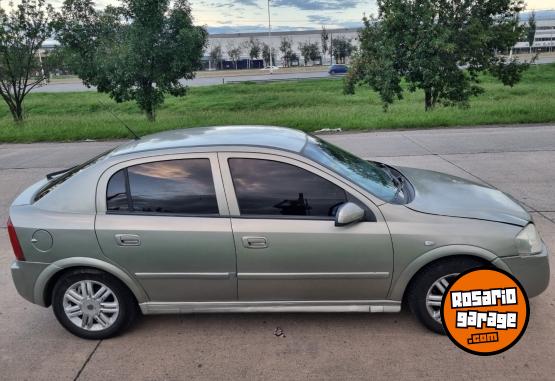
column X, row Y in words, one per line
column 402, row 283
column 48, row 278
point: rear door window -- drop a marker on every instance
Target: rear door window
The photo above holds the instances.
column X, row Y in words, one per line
column 176, row 187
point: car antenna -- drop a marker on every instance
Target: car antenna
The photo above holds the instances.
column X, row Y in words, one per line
column 135, row 136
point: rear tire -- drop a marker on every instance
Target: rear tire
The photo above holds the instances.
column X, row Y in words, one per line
column 93, row 305
column 427, row 288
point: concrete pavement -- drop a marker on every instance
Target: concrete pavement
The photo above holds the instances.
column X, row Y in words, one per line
column 518, row 160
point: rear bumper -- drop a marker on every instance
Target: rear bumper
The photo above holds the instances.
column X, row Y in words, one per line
column 25, row 275
column 532, row 272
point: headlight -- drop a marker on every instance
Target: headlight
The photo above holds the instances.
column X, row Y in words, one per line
column 529, row 241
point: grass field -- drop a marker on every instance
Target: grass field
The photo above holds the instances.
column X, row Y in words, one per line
column 308, row 105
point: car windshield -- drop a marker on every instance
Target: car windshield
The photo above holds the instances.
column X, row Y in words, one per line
column 369, row 176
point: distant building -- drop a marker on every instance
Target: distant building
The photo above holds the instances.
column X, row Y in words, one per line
column 544, row 42
column 545, row 34
column 230, row 41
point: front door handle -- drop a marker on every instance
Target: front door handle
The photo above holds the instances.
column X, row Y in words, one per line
column 255, row 242
column 128, row 240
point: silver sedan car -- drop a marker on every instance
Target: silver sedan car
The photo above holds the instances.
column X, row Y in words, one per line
column 256, row 219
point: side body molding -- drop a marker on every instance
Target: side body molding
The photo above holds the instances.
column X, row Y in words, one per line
column 401, row 282
column 52, row 269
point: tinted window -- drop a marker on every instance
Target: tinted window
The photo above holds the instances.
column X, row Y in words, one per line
column 116, row 195
column 270, row 188
column 167, row 187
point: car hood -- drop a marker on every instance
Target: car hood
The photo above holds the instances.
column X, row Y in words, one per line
column 446, row 195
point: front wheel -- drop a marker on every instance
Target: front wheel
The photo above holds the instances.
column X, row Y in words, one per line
column 93, row 305
column 427, row 289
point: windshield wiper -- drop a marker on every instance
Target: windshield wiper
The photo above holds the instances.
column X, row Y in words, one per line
column 50, row 176
column 400, row 188
column 399, row 182
column 396, row 181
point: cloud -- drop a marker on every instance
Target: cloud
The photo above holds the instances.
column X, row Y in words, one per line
column 229, row 4
column 319, row 19
column 317, row 5
column 333, row 22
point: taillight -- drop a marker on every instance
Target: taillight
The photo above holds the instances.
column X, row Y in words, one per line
column 15, row 241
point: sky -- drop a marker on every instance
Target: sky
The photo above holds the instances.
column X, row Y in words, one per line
column 233, row 16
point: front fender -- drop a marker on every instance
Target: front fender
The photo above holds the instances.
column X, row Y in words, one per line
column 401, row 282
column 47, row 274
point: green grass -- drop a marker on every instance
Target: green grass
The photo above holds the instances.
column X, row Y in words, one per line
column 308, row 105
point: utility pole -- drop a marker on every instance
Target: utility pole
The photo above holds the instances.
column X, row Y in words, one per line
column 270, row 36
column 331, row 48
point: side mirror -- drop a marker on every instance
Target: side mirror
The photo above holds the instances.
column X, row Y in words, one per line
column 348, row 214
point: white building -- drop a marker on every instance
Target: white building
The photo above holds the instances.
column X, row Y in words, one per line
column 545, row 36
column 544, row 40
column 230, row 41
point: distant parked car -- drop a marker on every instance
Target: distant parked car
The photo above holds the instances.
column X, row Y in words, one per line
column 256, row 219
column 338, row 69
column 270, row 68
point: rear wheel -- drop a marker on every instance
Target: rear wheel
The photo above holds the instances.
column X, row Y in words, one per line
column 93, row 305
column 427, row 289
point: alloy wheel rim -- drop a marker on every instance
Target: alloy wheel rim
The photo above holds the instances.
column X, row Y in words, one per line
column 434, row 296
column 91, row 305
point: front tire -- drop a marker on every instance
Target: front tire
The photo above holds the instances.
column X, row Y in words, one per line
column 93, row 305
column 428, row 287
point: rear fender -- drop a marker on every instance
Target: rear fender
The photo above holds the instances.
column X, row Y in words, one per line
column 56, row 267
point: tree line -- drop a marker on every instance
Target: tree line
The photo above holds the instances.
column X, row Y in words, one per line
column 141, row 50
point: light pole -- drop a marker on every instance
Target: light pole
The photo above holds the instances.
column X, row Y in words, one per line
column 270, row 36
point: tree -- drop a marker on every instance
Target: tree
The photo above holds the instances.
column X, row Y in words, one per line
column 254, row 48
column 22, row 69
column 531, row 32
column 438, row 46
column 342, row 48
column 286, row 51
column 325, row 37
column 310, row 51
column 216, row 55
column 234, row 53
column 266, row 54
column 139, row 51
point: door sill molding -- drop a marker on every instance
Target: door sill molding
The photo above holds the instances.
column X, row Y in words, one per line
column 380, row 306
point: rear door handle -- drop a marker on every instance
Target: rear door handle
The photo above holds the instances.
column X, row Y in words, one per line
column 255, row 242
column 128, row 240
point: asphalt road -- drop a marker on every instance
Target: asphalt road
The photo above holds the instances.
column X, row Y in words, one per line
column 264, row 76
column 317, row 346
column 204, row 81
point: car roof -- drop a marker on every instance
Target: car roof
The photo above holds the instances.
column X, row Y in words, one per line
column 249, row 136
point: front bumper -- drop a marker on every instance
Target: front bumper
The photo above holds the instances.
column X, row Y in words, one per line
column 532, row 272
column 25, row 275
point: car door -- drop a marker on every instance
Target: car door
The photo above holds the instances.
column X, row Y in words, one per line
column 288, row 247
column 165, row 220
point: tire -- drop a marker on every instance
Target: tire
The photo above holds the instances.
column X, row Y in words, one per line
column 429, row 282
column 98, row 305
